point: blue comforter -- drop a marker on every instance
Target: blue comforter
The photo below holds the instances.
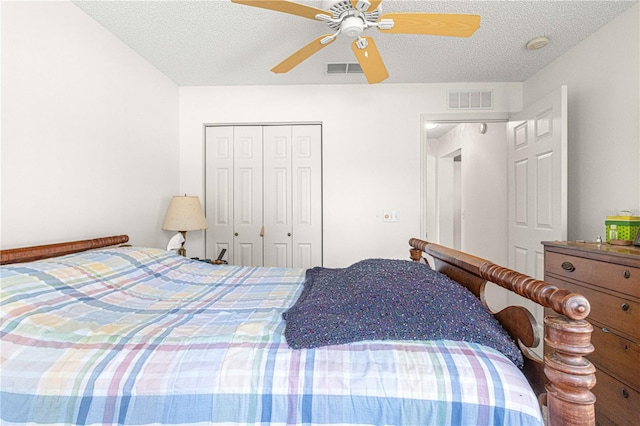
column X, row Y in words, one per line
column 381, row 299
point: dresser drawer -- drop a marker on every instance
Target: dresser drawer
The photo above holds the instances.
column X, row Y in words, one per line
column 616, row 312
column 621, row 278
column 615, row 401
column 619, row 356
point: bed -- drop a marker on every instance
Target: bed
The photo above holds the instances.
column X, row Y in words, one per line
column 101, row 332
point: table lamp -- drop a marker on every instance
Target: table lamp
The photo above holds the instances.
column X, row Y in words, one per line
column 184, row 214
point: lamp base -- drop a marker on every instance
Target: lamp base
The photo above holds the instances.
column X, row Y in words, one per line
column 181, row 250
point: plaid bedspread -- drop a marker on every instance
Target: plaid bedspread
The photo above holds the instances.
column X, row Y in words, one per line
column 143, row 336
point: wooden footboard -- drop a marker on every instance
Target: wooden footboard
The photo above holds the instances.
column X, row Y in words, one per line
column 563, row 381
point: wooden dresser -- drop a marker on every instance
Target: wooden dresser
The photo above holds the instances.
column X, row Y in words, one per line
column 609, row 277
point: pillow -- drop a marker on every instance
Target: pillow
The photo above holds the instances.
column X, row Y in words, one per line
column 382, row 299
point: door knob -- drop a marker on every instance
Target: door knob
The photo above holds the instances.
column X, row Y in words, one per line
column 288, row 234
column 236, row 234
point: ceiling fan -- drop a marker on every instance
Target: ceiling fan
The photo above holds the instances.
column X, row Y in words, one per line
column 353, row 17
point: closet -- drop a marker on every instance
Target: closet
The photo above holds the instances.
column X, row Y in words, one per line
column 263, row 194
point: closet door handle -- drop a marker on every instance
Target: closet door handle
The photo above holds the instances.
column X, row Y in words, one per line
column 288, row 234
column 236, row 234
column 568, row 266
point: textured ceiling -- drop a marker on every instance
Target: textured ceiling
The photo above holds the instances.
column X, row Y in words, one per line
column 197, row 43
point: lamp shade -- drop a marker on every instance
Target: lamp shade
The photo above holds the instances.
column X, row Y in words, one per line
column 185, row 214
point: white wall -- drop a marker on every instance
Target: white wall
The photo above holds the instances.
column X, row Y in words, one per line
column 371, row 152
column 89, row 131
column 602, row 75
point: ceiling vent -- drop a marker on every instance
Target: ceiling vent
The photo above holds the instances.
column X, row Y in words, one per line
column 343, row 68
column 470, row 99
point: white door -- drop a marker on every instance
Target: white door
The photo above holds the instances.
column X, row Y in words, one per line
column 537, row 139
column 233, row 202
column 292, row 194
column 278, row 225
column 264, row 194
column 307, row 196
column 219, row 191
column 247, row 196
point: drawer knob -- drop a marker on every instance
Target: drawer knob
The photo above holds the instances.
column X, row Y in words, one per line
column 627, row 274
column 625, row 393
column 568, row 266
column 625, row 306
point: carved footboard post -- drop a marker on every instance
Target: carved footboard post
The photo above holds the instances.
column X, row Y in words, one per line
column 571, row 376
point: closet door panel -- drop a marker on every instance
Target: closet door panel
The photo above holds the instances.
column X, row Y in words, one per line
column 247, row 195
column 307, row 196
column 219, row 190
column 277, row 197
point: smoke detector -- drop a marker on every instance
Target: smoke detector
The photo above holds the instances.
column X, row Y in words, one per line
column 537, row 43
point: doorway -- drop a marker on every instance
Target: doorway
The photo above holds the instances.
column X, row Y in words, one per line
column 464, row 169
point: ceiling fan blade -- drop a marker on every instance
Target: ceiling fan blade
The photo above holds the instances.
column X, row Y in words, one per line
column 370, row 60
column 302, row 54
column 286, row 7
column 374, row 5
column 454, row 25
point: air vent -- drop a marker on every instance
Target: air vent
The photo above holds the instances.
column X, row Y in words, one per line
column 470, row 99
column 343, row 68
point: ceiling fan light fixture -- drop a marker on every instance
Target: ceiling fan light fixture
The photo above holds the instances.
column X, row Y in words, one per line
column 537, row 43
column 352, row 26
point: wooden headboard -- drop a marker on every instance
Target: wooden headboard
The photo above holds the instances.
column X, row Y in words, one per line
column 563, row 381
column 28, row 254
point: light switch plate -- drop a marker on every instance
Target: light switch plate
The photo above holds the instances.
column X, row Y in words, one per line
column 390, row 216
